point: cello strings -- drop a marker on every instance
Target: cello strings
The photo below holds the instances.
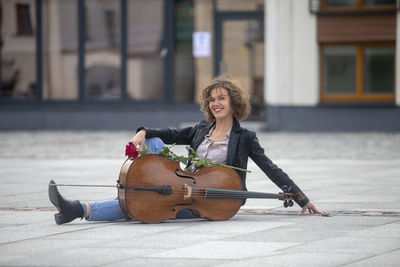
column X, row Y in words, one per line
column 222, row 194
column 201, row 192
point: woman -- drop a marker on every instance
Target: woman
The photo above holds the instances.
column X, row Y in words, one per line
column 220, row 138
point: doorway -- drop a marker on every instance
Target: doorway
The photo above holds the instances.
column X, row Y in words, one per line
column 239, row 52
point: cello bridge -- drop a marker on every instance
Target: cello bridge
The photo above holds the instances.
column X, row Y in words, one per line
column 189, row 191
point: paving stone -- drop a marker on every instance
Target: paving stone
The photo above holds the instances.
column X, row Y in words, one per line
column 390, row 259
column 234, row 227
column 349, row 244
column 80, row 256
column 165, row 262
column 224, row 250
column 390, row 231
column 298, row 259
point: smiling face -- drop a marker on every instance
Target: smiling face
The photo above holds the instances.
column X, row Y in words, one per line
column 220, row 104
column 224, row 97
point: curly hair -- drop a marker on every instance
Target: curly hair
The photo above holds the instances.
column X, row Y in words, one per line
column 239, row 99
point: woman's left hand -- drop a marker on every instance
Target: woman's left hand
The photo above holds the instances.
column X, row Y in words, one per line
column 311, row 208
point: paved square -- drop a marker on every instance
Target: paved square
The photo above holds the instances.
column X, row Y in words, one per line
column 355, row 177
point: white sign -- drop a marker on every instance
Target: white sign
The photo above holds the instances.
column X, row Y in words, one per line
column 201, row 44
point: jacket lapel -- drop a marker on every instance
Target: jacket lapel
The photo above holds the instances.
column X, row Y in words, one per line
column 200, row 136
column 233, row 142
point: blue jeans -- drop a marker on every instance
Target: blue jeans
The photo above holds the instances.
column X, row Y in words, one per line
column 110, row 210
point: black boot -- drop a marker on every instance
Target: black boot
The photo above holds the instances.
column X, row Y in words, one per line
column 68, row 210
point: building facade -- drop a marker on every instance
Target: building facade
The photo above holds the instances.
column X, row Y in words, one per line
column 333, row 66
column 119, row 64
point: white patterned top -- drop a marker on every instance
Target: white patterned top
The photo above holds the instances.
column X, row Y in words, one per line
column 216, row 151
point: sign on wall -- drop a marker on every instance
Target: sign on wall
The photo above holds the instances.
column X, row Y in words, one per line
column 201, row 44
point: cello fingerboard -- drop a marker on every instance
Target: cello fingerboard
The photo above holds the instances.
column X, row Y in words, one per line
column 224, row 193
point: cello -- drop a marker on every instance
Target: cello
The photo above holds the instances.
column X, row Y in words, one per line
column 152, row 189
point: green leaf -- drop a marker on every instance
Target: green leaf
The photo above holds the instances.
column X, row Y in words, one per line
column 164, row 152
column 145, row 147
column 207, row 161
column 232, row 167
column 198, row 162
column 191, row 150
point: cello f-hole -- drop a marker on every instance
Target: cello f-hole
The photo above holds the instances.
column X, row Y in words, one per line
column 184, row 176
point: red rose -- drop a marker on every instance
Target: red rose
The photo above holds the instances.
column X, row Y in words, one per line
column 131, row 151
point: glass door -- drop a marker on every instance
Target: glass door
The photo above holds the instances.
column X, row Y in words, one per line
column 240, row 54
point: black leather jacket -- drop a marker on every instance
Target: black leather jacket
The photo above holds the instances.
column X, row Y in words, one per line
column 242, row 145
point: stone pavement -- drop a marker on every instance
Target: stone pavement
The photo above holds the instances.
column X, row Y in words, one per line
column 355, row 177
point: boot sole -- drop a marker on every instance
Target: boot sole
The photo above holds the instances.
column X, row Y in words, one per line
column 59, row 218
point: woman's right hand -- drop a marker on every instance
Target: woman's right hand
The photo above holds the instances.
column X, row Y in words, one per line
column 311, row 209
column 139, row 138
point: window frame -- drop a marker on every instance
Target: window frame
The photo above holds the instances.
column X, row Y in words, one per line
column 36, row 23
column 360, row 6
column 359, row 95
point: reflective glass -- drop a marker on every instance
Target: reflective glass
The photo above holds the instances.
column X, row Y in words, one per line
column 379, row 2
column 339, row 69
column 340, row 3
column 184, row 64
column 18, row 51
column 60, row 50
column 145, row 62
column 239, row 5
column 379, row 69
column 102, row 50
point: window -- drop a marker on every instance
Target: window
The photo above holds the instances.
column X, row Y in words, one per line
column 357, row 4
column 24, row 26
column 18, row 55
column 339, row 69
column 239, row 5
column 111, row 27
column 378, row 69
column 379, row 2
column 357, row 72
column 184, row 24
column 145, row 62
column 102, row 52
column 60, row 55
column 341, row 3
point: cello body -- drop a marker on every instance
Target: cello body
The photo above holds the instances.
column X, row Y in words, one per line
column 152, row 189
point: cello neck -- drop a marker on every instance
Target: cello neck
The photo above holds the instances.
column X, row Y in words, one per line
column 224, row 193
